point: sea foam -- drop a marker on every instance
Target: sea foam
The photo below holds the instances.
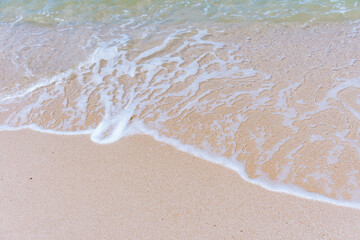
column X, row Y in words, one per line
column 286, row 123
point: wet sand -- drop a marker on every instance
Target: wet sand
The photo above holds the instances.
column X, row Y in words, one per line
column 282, row 100
column 67, row 187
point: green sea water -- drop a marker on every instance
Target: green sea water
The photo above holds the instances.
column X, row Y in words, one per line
column 142, row 11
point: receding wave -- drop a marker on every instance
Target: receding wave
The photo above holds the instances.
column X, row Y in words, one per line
column 279, row 102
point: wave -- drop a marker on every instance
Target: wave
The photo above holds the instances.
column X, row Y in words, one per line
column 276, row 103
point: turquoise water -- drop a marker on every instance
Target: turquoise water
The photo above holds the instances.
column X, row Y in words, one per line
column 71, row 11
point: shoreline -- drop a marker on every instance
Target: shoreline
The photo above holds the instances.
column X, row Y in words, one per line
column 235, row 166
column 75, row 188
column 280, row 104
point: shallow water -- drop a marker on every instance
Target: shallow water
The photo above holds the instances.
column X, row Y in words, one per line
column 271, row 89
column 141, row 12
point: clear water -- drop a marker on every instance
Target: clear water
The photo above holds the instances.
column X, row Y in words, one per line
column 270, row 89
column 142, row 11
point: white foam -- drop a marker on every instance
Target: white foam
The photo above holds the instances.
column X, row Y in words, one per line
column 240, row 169
column 316, row 137
column 150, row 88
column 112, row 128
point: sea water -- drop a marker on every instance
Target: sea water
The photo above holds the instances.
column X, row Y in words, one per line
column 270, row 89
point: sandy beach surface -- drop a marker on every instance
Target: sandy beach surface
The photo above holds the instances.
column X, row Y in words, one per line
column 123, row 119
column 67, row 187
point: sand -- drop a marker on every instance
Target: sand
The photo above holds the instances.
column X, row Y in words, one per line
column 67, row 187
column 283, row 102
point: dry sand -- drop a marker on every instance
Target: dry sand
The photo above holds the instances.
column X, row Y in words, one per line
column 66, row 187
